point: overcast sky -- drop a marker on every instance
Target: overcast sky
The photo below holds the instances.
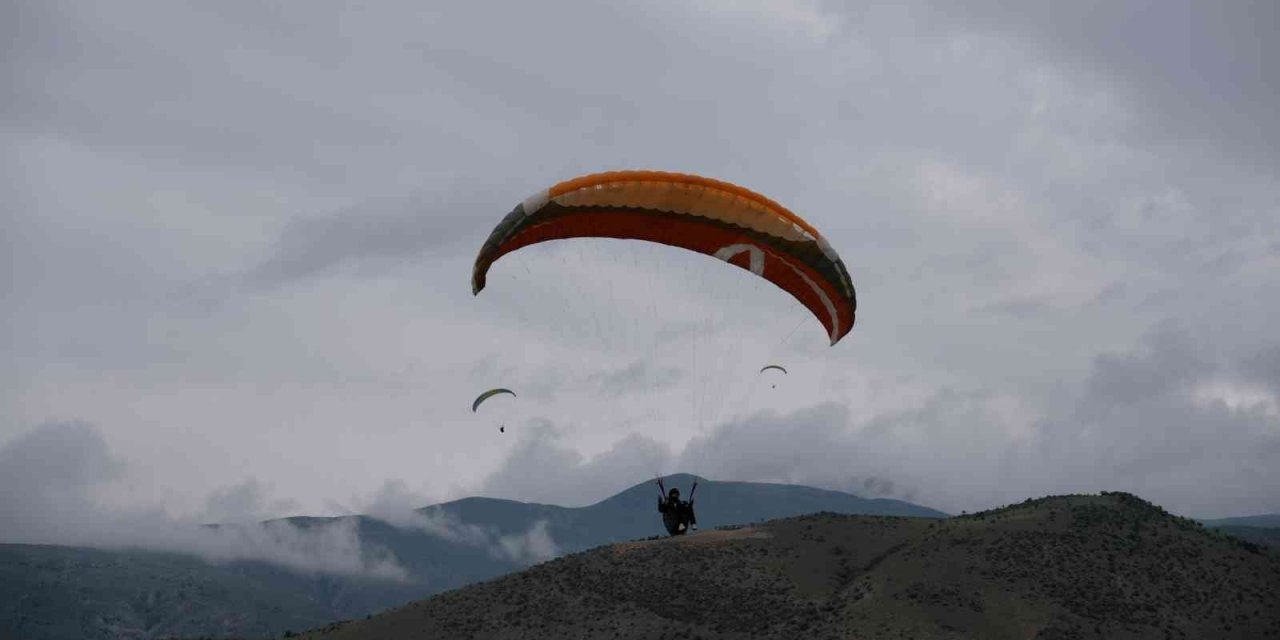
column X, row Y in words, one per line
column 237, row 243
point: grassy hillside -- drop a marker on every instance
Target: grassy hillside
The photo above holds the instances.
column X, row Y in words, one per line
column 1109, row 566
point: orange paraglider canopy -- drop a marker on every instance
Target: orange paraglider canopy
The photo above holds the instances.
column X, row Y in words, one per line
column 700, row 214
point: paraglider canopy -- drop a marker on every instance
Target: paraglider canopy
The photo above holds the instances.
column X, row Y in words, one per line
column 486, row 395
column 708, row 216
column 773, row 366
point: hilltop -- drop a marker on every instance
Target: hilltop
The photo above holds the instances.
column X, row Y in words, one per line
column 1104, row 566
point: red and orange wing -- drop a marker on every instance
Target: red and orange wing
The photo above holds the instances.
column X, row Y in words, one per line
column 709, row 216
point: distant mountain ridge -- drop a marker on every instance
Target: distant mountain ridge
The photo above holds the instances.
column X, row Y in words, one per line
column 50, row 592
column 1267, row 520
column 633, row 513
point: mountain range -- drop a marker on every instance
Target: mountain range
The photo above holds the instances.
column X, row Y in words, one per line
column 52, row 592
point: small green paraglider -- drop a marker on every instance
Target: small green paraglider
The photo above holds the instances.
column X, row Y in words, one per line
column 489, row 394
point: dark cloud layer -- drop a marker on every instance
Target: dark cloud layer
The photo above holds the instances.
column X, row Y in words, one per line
column 51, row 470
column 1165, row 370
column 386, row 230
column 1263, row 366
column 1201, row 71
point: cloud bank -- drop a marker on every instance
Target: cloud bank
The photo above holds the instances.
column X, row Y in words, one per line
column 50, row 493
column 395, row 504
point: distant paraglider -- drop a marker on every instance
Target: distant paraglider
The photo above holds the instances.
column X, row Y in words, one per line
column 489, row 394
column 774, row 366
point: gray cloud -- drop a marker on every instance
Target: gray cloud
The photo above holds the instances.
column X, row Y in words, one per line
column 51, row 470
column 333, row 547
column 1200, row 71
column 1165, row 370
column 778, row 448
column 1263, row 366
column 534, row 545
column 637, row 377
column 50, row 492
column 577, row 480
column 395, row 504
column 245, row 502
column 390, row 230
column 907, row 455
column 1018, row 307
column 1171, row 421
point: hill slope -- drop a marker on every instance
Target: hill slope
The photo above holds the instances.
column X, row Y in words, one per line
column 1109, row 566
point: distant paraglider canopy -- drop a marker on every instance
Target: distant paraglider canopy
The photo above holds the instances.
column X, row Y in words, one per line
column 708, row 216
column 486, row 395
